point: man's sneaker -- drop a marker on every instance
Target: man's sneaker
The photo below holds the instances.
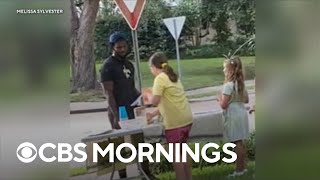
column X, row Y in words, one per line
column 235, row 173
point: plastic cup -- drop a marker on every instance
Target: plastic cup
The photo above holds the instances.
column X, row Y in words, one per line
column 123, row 115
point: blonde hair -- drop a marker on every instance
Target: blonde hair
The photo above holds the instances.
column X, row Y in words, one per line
column 234, row 73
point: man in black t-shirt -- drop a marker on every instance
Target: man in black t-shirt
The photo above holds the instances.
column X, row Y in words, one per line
column 117, row 79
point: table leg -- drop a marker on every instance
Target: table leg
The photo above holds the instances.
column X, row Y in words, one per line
column 113, row 169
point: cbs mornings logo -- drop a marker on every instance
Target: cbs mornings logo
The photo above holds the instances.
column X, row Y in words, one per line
column 27, row 152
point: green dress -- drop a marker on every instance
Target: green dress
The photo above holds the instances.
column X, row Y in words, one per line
column 236, row 122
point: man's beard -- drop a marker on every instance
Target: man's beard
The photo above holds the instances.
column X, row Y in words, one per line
column 121, row 56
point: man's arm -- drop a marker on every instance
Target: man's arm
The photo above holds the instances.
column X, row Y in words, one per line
column 108, row 90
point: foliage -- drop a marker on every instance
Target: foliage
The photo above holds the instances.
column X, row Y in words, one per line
column 200, row 17
column 192, row 11
column 217, row 50
column 215, row 12
column 205, row 51
column 251, row 146
column 219, row 172
column 165, row 166
column 243, row 11
column 152, row 33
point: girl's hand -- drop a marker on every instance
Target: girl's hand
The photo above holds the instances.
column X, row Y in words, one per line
column 147, row 96
column 252, row 110
column 219, row 98
column 149, row 117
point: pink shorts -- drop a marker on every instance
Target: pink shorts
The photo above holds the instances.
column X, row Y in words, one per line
column 178, row 135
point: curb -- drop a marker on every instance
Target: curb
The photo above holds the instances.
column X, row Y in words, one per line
column 84, row 111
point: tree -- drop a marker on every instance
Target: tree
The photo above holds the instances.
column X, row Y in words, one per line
column 243, row 11
column 81, row 45
column 193, row 25
column 153, row 35
column 216, row 13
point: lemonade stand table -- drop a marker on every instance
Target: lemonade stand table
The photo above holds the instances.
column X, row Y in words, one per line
column 131, row 132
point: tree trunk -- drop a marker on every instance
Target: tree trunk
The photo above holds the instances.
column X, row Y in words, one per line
column 197, row 36
column 73, row 39
column 82, row 51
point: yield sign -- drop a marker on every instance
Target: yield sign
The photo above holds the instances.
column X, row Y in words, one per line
column 175, row 25
column 131, row 11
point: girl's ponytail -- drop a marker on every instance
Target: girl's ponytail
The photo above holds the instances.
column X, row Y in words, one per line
column 160, row 61
column 169, row 71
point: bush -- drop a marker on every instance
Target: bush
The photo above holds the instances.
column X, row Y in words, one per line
column 246, row 50
column 165, row 166
column 204, row 51
column 218, row 50
column 218, row 172
column 251, row 146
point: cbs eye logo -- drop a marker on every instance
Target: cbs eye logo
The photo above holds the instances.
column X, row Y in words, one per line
column 24, row 152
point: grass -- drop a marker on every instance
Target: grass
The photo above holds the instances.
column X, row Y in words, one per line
column 78, row 171
column 218, row 172
column 197, row 73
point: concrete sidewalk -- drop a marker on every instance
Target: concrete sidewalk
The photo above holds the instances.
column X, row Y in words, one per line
column 89, row 107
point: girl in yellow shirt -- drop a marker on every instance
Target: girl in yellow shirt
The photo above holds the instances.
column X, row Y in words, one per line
column 173, row 106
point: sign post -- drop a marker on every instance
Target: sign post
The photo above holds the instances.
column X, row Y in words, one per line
column 175, row 25
column 131, row 11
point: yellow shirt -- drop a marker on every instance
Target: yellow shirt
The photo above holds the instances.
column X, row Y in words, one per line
column 174, row 106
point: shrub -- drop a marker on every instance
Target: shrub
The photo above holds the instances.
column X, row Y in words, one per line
column 218, row 50
column 165, row 166
column 251, row 146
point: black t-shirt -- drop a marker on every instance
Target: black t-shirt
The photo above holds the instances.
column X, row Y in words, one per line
column 122, row 75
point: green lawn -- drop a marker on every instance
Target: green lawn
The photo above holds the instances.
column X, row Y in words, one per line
column 197, row 73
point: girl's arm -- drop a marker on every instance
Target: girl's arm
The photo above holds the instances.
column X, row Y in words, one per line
column 155, row 100
column 148, row 98
column 224, row 101
column 253, row 109
column 246, row 97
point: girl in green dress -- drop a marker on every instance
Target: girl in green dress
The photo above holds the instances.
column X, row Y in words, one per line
column 232, row 100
